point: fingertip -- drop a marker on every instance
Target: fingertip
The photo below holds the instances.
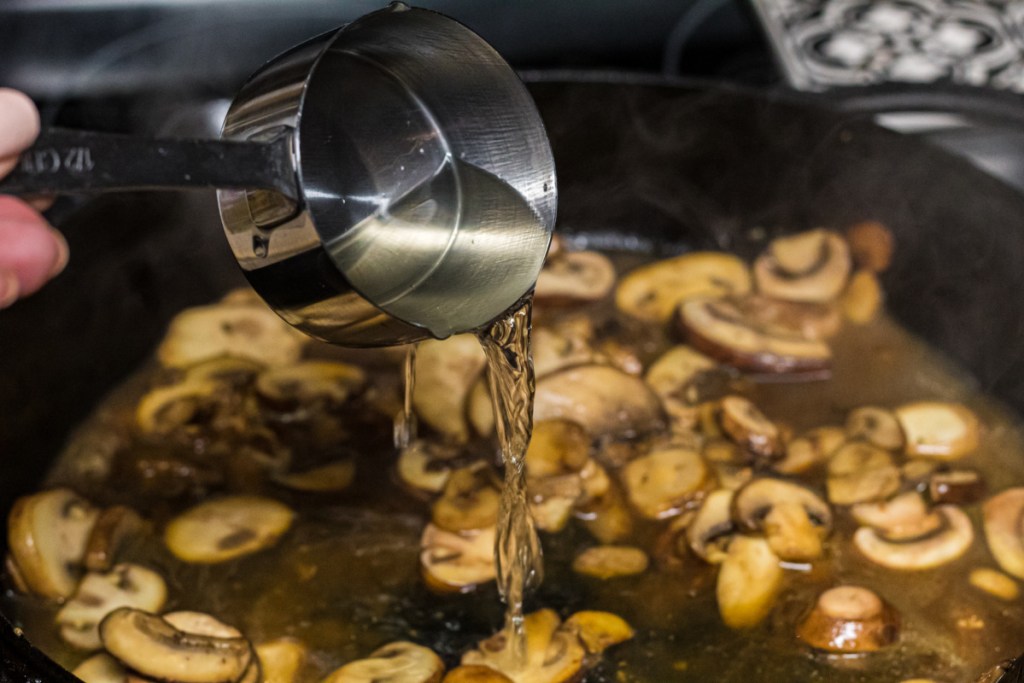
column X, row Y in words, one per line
column 19, row 119
column 10, row 288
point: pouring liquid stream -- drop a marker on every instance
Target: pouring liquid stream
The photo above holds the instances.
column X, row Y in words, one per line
column 517, row 549
column 405, row 421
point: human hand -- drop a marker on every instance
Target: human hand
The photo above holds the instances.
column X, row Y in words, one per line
column 31, row 252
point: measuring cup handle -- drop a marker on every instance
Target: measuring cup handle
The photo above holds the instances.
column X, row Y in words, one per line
column 71, row 161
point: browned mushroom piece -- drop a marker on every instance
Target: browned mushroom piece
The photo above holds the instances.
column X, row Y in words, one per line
column 811, row 266
column 329, row 478
column 426, row 465
column 399, row 662
column 574, row 277
column 901, row 518
column 994, row 583
column 745, row 424
column 557, row 447
column 956, row 487
column 794, row 519
column 166, row 409
column 610, row 561
column 809, row 450
column 605, row 401
column 1004, row 530
column 554, row 653
column 878, row 426
column 749, row 582
column 227, row 371
column 862, row 300
column 101, row 668
column 599, row 631
column 566, row 344
column 309, row 385
column 674, row 374
column 652, row 292
column 722, row 330
column 469, row 501
column 813, row 321
column 607, row 516
column 849, row 620
column 281, row 659
column 553, row 499
column 859, row 472
column 113, row 528
column 48, row 534
column 446, row 372
column 932, row 549
column 871, row 245
column 934, row 429
column 253, row 332
column 224, row 529
column 664, row 482
column 456, row 563
column 712, row 528
column 622, row 355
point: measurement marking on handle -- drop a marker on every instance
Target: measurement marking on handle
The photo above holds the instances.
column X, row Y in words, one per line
column 74, row 160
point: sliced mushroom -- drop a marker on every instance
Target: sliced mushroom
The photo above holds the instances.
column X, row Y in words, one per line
column 564, row 345
column 399, row 662
column 811, row 321
column 126, row 585
column 794, row 519
column 871, row 245
column 673, row 374
column 101, row 668
column 457, row 562
column 810, row 450
column 902, row 518
column 599, row 631
column 330, row 478
column 711, row 530
column 956, row 487
column 878, row 426
column 445, row 373
column 253, row 332
column 476, row 673
column 281, row 659
column 933, row 429
column 605, row 401
column 227, row 528
column 745, row 424
column 610, row 561
column 1004, row 530
column 722, row 330
column 849, row 620
column 652, row 292
column 749, row 582
column 621, row 355
column 995, row 583
column 554, row 654
column 308, row 384
column 664, row 482
column 479, row 410
column 574, row 277
column 863, row 298
column 859, row 472
column 47, row 534
column 113, row 527
column 557, row 447
column 810, row 266
column 154, row 647
column 933, row 549
column 167, row 409
column 469, row 501
column 426, row 466
column 607, row 516
column 223, row 370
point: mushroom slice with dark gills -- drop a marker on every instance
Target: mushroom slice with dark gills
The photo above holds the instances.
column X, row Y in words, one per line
column 666, row 481
column 878, row 426
column 308, row 385
column 158, row 649
column 573, row 277
column 557, row 447
column 849, row 620
column 425, row 465
column 859, row 473
column 224, row 370
column 599, row 631
column 712, row 528
column 749, row 582
column 564, row 343
column 676, row 377
column 446, row 371
column 810, row 450
column 456, row 563
column 469, row 501
column 1004, row 530
column 399, row 662
column 188, row 405
column 723, row 330
column 934, row 429
column 610, row 561
column 932, row 549
column 904, row 517
column 811, row 266
column 651, row 293
column 554, row 653
column 746, row 425
column 227, row 528
column 126, row 585
column 552, row 500
column 47, row 534
column 605, row 401
column 113, row 527
column 253, row 332
column 794, row 519
column 329, row 478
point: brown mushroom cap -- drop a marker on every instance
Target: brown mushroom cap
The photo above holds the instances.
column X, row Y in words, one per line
column 810, row 266
column 574, row 277
column 849, row 619
column 603, row 400
column 712, row 527
column 871, row 245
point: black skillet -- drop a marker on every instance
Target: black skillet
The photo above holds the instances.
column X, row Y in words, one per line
column 653, row 168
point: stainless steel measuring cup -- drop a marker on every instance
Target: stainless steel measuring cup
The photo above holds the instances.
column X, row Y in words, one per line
column 379, row 184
